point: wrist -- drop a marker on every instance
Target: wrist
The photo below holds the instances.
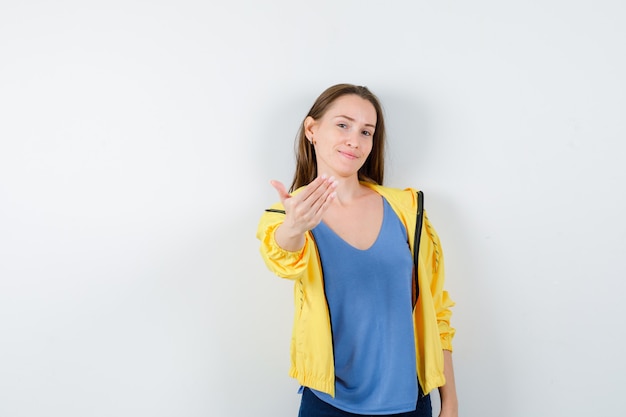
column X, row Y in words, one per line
column 449, row 407
column 289, row 239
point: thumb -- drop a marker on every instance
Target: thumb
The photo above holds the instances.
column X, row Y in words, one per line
column 282, row 191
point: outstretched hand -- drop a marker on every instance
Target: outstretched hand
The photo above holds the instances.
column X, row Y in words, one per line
column 303, row 211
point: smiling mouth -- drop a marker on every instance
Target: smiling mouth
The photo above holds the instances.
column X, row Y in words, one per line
column 348, row 155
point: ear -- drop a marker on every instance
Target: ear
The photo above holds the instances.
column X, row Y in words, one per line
column 310, row 126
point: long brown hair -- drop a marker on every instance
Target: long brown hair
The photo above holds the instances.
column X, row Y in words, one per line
column 306, row 163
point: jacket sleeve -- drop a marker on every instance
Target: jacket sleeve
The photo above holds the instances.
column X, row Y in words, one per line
column 285, row 264
column 441, row 299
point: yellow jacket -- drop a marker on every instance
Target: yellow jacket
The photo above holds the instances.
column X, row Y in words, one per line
column 312, row 362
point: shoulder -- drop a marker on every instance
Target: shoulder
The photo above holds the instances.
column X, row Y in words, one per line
column 402, row 199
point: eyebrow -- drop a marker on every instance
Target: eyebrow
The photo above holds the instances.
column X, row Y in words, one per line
column 352, row 120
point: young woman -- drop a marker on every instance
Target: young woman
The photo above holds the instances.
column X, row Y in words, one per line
column 366, row 339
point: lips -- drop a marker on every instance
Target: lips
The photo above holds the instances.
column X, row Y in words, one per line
column 348, row 155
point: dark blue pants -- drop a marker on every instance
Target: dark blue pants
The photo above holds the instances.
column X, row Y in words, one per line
column 311, row 406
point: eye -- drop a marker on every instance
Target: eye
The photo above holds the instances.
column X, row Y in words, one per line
column 342, row 125
column 366, row 133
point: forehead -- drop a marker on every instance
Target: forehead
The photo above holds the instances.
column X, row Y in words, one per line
column 354, row 107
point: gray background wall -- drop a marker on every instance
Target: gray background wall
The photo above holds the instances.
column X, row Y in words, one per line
column 137, row 140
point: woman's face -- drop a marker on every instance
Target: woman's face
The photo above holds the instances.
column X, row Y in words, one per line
column 343, row 136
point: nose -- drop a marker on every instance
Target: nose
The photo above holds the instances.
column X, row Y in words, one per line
column 352, row 140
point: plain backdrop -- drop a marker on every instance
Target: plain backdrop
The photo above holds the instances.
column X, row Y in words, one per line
column 138, row 138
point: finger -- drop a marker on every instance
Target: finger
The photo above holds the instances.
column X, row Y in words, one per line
column 312, row 187
column 326, row 204
column 280, row 188
column 321, row 188
column 321, row 194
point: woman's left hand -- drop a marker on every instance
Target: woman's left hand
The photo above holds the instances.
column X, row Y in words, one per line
column 449, row 413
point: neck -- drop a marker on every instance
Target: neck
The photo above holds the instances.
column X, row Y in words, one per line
column 348, row 189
